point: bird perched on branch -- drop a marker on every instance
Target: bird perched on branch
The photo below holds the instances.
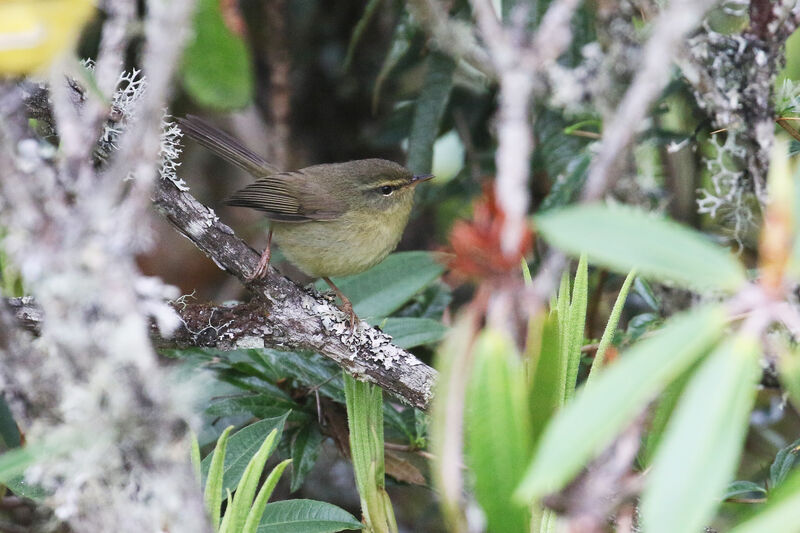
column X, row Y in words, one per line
column 330, row 220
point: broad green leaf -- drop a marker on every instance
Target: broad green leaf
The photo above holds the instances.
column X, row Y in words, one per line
column 661, row 414
column 744, row 489
column 385, row 287
column 498, row 406
column 259, row 405
column 428, row 111
column 241, row 447
column 590, row 422
column 781, row 513
column 611, row 327
column 217, row 70
column 305, row 446
column 213, row 491
column 623, row 239
column 703, row 441
column 576, row 324
column 260, row 503
column 22, row 488
column 410, row 332
column 308, row 369
column 785, row 460
column 305, row 516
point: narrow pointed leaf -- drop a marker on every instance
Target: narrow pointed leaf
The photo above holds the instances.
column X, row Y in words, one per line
column 703, row 441
column 591, row 421
column 611, row 327
column 546, row 394
column 623, row 239
column 213, row 490
column 257, row 510
column 576, row 325
column 246, row 490
column 241, row 447
column 498, row 406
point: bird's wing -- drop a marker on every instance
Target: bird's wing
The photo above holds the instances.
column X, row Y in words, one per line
column 226, row 146
column 288, row 197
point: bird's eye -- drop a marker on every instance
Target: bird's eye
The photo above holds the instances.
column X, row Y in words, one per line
column 386, row 190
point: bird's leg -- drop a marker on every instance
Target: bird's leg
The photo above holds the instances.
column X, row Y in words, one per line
column 347, row 307
column 263, row 263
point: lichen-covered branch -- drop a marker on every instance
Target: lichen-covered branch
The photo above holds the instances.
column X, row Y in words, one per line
column 669, row 30
column 254, row 325
column 291, row 317
column 91, row 383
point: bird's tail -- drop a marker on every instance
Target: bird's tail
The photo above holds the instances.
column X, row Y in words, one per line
column 226, row 146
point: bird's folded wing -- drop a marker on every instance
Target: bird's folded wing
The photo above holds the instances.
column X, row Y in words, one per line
column 288, row 197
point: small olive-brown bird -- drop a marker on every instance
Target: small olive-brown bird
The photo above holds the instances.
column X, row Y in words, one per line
column 330, row 220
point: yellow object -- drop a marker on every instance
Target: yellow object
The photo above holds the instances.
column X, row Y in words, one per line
column 33, row 33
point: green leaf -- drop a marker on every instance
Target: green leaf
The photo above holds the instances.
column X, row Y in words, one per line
column 257, row 511
column 241, row 448
column 428, row 112
column 305, row 446
column 195, row 456
column 384, row 288
column 576, row 324
column 217, row 70
column 446, row 431
column 236, row 513
column 365, row 422
column 213, row 491
column 661, row 415
column 744, row 489
column 785, row 460
column 9, row 432
column 611, row 327
column 544, row 354
column 498, row 406
column 782, row 512
column 358, row 32
column 410, row 332
column 305, row 516
column 623, row 239
column 704, row 435
column 259, row 405
column 22, row 488
column 585, row 426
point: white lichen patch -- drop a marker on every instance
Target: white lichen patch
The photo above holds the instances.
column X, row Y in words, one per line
column 364, row 341
column 249, row 342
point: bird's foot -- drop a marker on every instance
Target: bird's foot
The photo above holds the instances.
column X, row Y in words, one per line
column 263, row 266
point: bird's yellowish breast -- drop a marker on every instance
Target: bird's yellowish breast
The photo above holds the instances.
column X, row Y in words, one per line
column 342, row 247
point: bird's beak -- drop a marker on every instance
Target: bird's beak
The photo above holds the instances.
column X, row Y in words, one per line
column 422, row 177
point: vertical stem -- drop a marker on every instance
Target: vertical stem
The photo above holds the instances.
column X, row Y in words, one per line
column 365, row 422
